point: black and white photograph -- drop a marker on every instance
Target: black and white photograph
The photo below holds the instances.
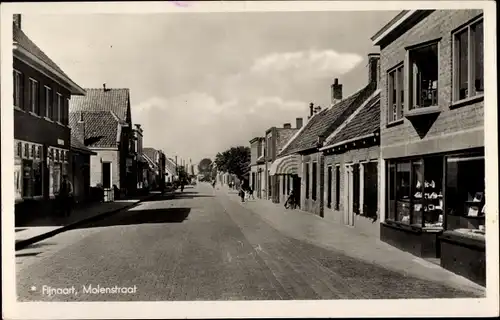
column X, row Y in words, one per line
column 187, row 159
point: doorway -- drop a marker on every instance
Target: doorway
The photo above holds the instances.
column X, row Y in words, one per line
column 296, row 181
column 106, row 181
column 351, row 187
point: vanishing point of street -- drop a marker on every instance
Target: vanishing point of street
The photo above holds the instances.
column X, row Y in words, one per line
column 204, row 244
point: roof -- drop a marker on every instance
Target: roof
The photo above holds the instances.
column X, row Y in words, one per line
column 150, row 153
column 366, row 122
column 116, row 100
column 79, row 146
column 101, row 128
column 21, row 40
column 326, row 121
column 399, row 24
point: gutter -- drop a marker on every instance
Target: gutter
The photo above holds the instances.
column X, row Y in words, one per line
column 348, row 141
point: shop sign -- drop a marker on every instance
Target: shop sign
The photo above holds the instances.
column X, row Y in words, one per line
column 60, row 142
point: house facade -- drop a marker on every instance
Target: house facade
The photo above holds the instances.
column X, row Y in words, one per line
column 257, row 165
column 42, row 137
column 275, row 139
column 170, row 171
column 111, row 136
column 351, row 157
column 80, row 168
column 156, row 170
column 432, row 137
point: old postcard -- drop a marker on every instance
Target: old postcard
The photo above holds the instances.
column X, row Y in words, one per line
column 183, row 159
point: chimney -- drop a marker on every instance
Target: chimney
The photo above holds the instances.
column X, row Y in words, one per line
column 336, row 92
column 311, row 109
column 299, row 122
column 104, row 87
column 287, row 126
column 80, row 129
column 374, row 68
column 17, row 20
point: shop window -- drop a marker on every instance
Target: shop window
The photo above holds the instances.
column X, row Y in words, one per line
column 18, row 178
column 396, row 94
column 314, row 180
column 37, row 178
column 329, row 182
column 468, row 63
column 465, row 198
column 307, row 180
column 423, row 76
column 337, row 187
column 18, row 88
column 433, row 193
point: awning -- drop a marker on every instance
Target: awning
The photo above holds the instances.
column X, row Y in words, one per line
column 286, row 165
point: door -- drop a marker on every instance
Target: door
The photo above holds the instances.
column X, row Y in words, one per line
column 329, row 187
column 296, row 188
column 106, row 181
column 349, row 195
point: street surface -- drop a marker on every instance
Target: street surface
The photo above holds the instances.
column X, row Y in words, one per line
column 202, row 245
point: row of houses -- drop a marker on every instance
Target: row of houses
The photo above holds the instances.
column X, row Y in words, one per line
column 86, row 134
column 401, row 159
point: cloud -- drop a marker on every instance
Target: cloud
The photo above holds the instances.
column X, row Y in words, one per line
column 306, row 64
column 197, row 125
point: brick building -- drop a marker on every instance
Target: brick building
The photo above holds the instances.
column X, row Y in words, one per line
column 351, row 152
column 303, row 154
column 257, row 166
column 41, row 132
column 275, row 140
column 432, row 137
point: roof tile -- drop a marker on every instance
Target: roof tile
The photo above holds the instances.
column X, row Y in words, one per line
column 101, row 128
column 115, row 100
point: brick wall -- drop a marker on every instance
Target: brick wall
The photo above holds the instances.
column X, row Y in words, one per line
column 96, row 166
column 402, row 139
column 364, row 224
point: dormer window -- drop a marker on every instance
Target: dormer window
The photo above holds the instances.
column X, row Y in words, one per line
column 423, row 77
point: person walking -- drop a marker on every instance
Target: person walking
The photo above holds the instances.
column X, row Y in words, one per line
column 66, row 196
column 241, row 193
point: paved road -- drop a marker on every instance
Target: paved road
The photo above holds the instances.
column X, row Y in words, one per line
column 201, row 245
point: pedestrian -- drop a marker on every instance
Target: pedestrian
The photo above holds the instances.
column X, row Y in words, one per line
column 213, row 184
column 66, row 196
column 242, row 194
column 250, row 193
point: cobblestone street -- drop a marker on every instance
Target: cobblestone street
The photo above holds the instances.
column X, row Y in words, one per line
column 203, row 245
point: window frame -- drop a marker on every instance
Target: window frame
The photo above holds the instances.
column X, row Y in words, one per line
column 471, row 60
column 410, row 85
column 18, row 95
column 49, row 101
column 34, row 96
column 400, row 93
column 308, row 179
column 59, row 104
column 329, row 187
column 314, row 183
column 337, row 187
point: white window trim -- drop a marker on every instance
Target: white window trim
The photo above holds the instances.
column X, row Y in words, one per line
column 19, row 91
column 59, row 107
column 410, row 84
column 32, row 104
column 470, row 63
column 47, row 101
column 390, row 104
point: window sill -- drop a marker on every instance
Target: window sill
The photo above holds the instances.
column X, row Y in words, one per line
column 467, row 101
column 19, row 109
column 34, row 114
column 424, row 111
column 48, row 119
column 395, row 123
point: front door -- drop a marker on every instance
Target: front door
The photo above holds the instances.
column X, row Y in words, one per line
column 106, row 181
column 296, row 188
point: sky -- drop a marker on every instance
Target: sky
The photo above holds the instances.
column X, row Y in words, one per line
column 203, row 82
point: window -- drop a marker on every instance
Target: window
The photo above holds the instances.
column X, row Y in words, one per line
column 370, row 189
column 396, row 94
column 415, row 192
column 423, row 76
column 314, row 179
column 48, row 102
column 33, row 96
column 59, row 109
column 18, row 88
column 284, row 178
column 269, row 147
column 468, row 65
column 307, row 180
column 288, row 184
column 329, row 181
column 337, row 187
column 465, row 198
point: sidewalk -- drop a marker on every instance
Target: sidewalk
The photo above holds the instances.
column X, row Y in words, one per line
column 318, row 231
column 39, row 229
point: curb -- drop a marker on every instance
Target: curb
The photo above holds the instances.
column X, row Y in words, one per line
column 26, row 242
